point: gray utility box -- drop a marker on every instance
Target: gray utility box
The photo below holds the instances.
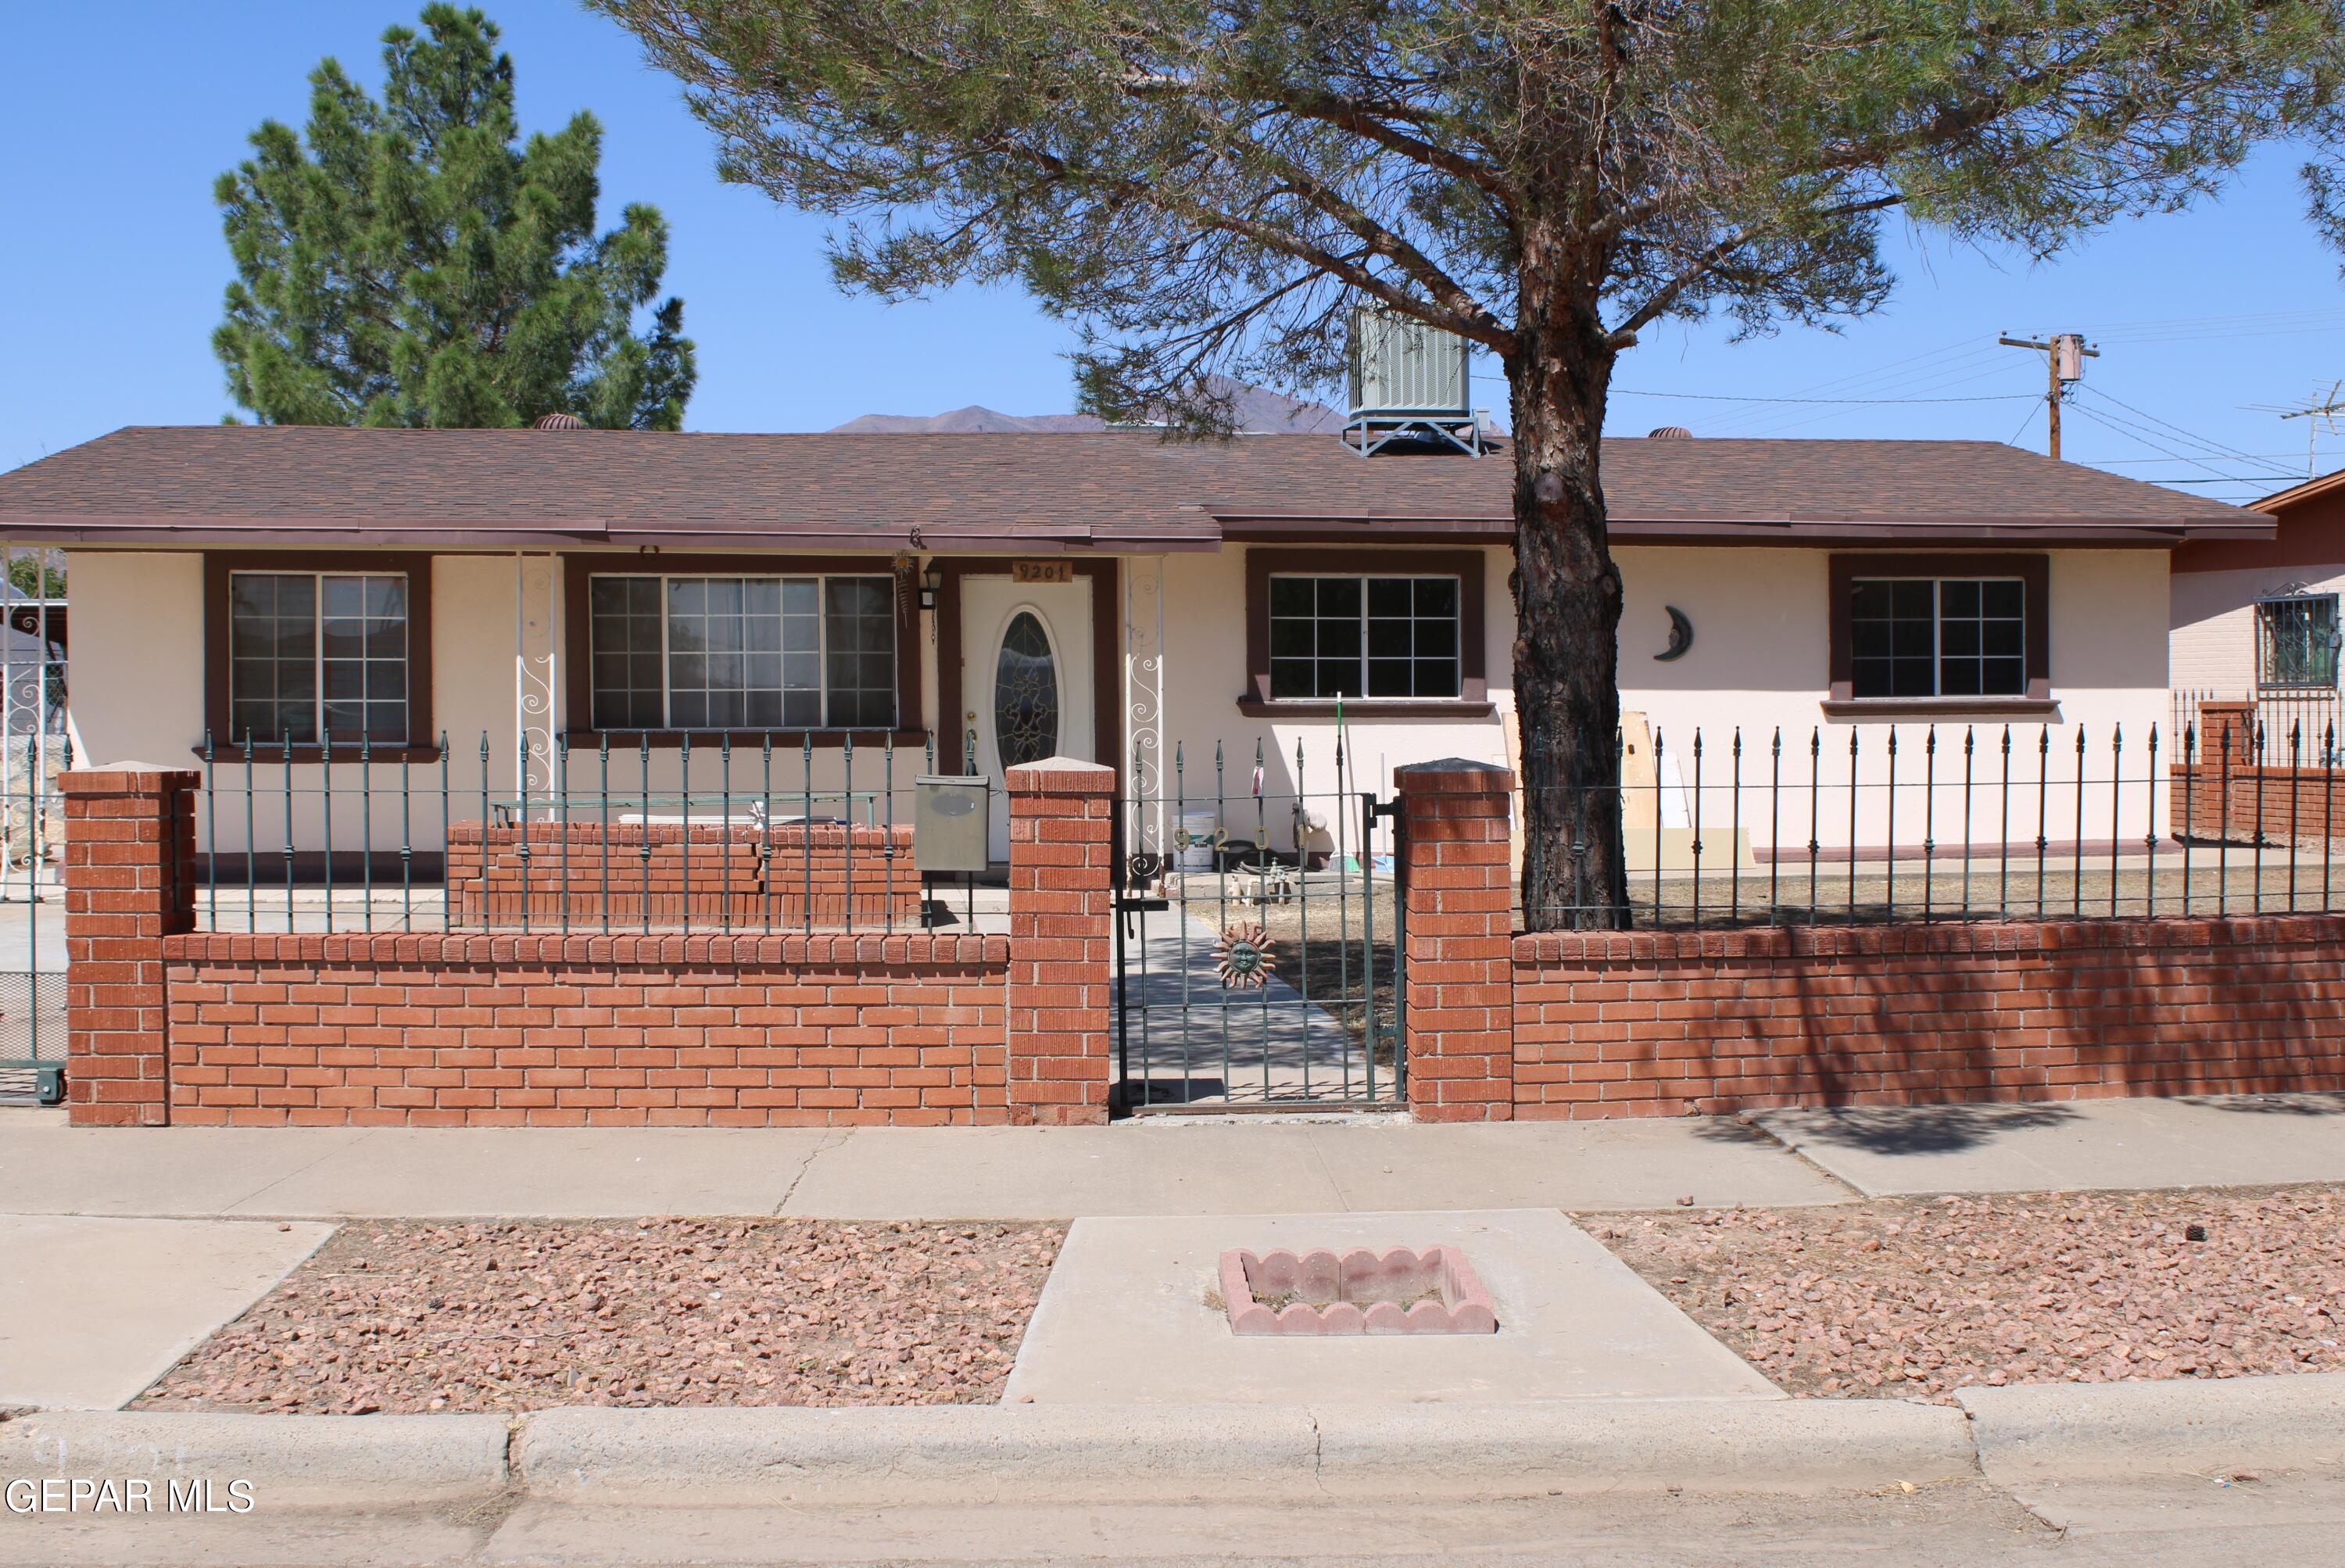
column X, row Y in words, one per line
column 948, row 819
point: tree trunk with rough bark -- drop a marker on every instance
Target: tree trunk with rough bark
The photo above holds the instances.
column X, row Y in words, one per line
column 1568, row 617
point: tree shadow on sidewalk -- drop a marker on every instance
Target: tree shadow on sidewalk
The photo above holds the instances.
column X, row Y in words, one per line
column 1918, row 1129
column 2313, row 1104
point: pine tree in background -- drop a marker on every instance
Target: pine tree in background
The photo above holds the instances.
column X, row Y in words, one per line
column 414, row 266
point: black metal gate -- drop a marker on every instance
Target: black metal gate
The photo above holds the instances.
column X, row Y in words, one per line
column 1257, row 939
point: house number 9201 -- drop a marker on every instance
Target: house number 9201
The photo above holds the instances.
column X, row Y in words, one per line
column 1041, row 571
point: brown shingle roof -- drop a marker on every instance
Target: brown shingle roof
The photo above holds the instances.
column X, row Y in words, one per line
column 1116, row 490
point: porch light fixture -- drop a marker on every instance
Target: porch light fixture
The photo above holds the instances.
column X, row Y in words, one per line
column 931, row 581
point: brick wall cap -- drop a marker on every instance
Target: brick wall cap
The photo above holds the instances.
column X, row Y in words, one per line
column 1062, row 776
column 129, row 779
column 1453, row 774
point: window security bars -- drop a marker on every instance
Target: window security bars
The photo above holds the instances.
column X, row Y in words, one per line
column 2297, row 638
column 1932, row 823
column 628, row 834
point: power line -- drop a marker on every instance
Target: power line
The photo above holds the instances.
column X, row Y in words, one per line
column 2127, row 428
column 2214, row 448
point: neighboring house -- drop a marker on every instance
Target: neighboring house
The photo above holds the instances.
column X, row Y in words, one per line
column 2257, row 620
column 1107, row 596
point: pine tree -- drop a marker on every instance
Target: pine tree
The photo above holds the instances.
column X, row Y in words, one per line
column 414, row 266
column 1209, row 187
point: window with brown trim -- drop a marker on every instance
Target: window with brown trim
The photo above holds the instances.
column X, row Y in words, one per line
column 302, row 649
column 1947, row 630
column 823, row 646
column 699, row 653
column 1393, row 631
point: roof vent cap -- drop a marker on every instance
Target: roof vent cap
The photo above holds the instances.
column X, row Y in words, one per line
column 559, row 421
column 1670, row 432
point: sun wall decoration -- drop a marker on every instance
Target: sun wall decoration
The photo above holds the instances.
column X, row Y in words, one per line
column 1245, row 956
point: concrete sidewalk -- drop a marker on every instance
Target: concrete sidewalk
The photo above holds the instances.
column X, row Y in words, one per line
column 2214, row 1140
column 1167, row 1166
column 1160, row 1167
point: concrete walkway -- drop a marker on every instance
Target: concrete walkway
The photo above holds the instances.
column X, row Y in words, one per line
column 1174, row 1166
column 93, row 1311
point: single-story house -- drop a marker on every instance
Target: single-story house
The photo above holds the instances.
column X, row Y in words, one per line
column 2256, row 621
column 1107, row 596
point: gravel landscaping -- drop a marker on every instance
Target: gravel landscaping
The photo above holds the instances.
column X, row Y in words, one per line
column 403, row 1315
column 1919, row 1296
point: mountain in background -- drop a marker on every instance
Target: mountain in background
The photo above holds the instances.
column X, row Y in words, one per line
column 1258, row 412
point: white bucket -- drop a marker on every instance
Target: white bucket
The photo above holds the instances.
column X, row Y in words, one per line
column 1197, row 832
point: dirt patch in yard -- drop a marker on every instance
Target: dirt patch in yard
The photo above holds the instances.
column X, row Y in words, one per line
column 406, row 1316
column 1919, row 1296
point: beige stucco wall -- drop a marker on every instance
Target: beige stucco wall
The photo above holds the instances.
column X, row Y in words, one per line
column 1760, row 662
column 134, row 671
column 136, row 695
column 1206, row 672
column 1757, row 662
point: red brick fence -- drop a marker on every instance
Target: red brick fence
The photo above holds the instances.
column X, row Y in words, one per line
column 168, row 1024
column 825, row 874
column 165, row 1023
column 1501, row 1025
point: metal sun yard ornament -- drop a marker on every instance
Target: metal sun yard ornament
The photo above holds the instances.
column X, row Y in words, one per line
column 1245, row 956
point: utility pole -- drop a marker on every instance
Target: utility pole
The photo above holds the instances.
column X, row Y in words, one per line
column 2064, row 354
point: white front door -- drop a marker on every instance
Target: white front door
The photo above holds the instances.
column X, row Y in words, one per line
column 1026, row 679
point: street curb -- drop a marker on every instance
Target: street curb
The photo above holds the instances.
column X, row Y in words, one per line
column 1029, row 1453
column 935, row 1453
column 973, row 1454
column 2120, row 1429
column 287, row 1459
column 1738, row 1445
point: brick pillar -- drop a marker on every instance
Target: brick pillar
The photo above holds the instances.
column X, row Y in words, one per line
column 129, row 878
column 1458, row 1024
column 1062, row 915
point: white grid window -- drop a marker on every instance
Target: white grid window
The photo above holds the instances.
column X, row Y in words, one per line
column 317, row 655
column 1364, row 636
column 1930, row 637
column 742, row 653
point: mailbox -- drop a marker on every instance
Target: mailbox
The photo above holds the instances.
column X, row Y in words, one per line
column 948, row 823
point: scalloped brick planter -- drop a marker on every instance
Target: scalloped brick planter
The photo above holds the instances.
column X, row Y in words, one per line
column 1356, row 1291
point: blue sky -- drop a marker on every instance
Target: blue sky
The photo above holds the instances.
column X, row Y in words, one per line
column 115, row 271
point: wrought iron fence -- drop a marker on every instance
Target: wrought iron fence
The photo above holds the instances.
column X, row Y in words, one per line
column 1929, row 822
column 758, row 832
column 2312, row 711
column 32, row 928
column 1257, row 936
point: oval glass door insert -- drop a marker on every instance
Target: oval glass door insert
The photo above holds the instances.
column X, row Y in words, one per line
column 1025, row 694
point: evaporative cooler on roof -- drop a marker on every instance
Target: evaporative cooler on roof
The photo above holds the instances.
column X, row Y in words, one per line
column 1410, row 382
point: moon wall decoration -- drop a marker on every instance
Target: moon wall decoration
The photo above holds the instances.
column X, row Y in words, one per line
column 1680, row 636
